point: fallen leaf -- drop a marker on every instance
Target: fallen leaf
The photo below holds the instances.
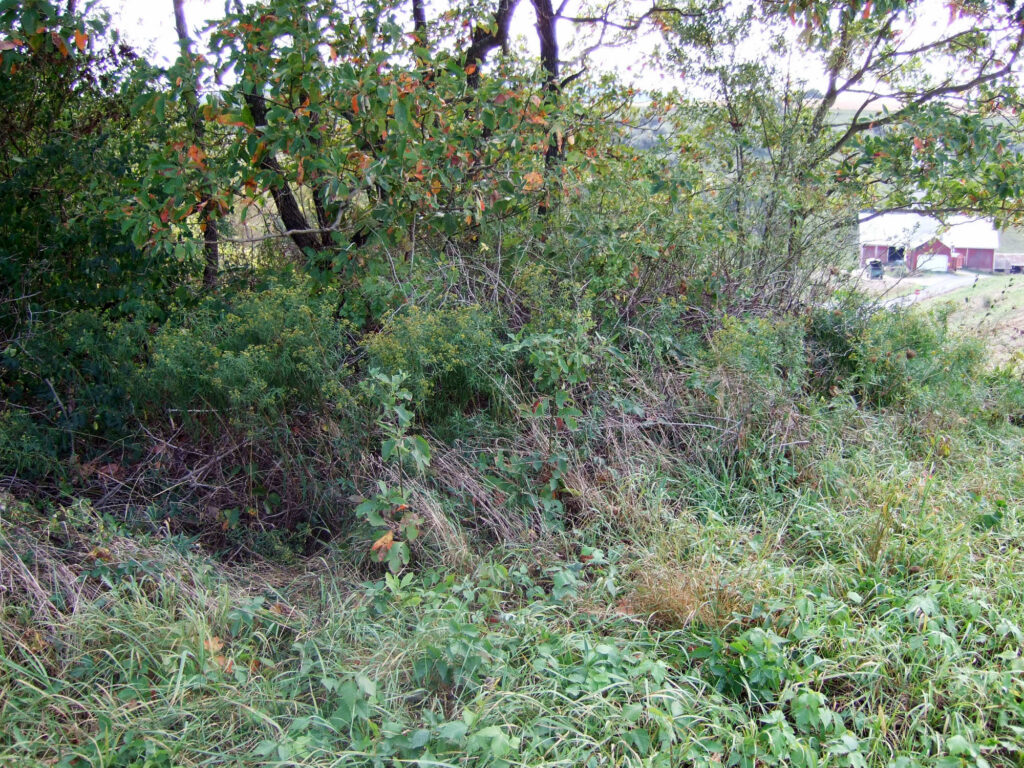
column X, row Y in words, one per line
column 101, row 553
column 213, row 644
column 383, row 545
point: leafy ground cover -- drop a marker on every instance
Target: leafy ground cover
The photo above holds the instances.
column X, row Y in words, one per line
column 867, row 612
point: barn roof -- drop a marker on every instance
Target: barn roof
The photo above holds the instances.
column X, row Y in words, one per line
column 913, row 229
column 967, row 232
column 897, row 229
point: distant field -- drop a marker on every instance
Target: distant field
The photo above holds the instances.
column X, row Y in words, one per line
column 994, row 307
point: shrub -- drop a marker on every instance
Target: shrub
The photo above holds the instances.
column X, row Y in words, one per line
column 754, row 371
column 1005, row 391
column 450, row 356
column 908, row 357
column 759, row 356
column 67, row 385
column 256, row 354
column 832, row 336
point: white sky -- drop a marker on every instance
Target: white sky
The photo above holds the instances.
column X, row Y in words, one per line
column 149, row 26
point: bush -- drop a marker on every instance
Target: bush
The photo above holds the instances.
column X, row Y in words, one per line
column 68, row 387
column 908, row 358
column 754, row 371
column 759, row 357
column 832, row 337
column 1005, row 392
column 450, row 356
column 254, row 355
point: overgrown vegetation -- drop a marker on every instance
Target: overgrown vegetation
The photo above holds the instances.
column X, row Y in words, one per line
column 382, row 398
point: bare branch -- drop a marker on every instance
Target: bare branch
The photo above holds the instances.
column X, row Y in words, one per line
column 634, row 23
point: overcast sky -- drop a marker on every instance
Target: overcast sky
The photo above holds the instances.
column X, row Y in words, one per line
column 149, row 26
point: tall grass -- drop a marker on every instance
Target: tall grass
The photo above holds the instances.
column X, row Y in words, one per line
column 868, row 611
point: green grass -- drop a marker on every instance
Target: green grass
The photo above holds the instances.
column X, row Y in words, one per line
column 992, row 308
column 870, row 612
column 999, row 295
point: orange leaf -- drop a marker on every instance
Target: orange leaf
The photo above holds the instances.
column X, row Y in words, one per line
column 470, row 69
column 213, row 644
column 61, row 45
column 101, row 553
column 383, row 545
column 355, row 104
column 197, row 155
column 534, row 181
column 81, row 39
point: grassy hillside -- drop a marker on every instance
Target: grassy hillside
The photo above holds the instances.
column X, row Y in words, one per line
column 993, row 308
column 845, row 590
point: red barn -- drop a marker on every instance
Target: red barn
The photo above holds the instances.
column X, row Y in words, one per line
column 925, row 243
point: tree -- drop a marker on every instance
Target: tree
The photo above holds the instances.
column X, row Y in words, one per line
column 207, row 207
column 846, row 111
column 68, row 147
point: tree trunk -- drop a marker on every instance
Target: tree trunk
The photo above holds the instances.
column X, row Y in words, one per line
column 547, row 34
column 208, row 213
column 419, row 20
column 548, row 37
column 484, row 41
column 288, row 208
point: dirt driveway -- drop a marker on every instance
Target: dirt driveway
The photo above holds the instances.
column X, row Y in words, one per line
column 928, row 285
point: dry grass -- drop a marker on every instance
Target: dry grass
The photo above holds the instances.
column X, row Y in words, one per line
column 676, row 596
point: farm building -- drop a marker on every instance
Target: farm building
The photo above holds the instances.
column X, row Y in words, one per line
column 924, row 242
column 1010, row 253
